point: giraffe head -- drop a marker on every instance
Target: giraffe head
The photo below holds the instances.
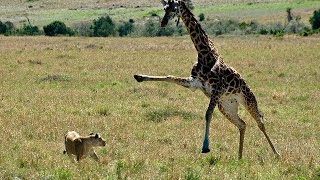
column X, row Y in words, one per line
column 171, row 8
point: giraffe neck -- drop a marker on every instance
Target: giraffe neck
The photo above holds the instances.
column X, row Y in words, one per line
column 199, row 37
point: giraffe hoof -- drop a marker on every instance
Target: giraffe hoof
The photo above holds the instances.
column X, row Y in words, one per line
column 138, row 78
column 205, row 150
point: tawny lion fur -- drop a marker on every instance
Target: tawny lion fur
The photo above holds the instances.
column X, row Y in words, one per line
column 82, row 146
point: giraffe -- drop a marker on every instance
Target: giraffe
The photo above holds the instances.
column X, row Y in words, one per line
column 222, row 84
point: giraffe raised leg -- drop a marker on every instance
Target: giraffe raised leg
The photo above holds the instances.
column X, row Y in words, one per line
column 185, row 82
column 229, row 108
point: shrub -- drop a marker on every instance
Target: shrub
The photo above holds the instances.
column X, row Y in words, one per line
column 152, row 28
column 10, row 26
column 201, row 17
column 271, row 28
column 57, row 28
column 83, row 28
column 220, row 27
column 315, row 20
column 3, row 28
column 306, row 31
column 275, row 28
column 180, row 30
column 28, row 30
column 6, row 28
column 295, row 26
column 249, row 28
column 125, row 28
column 103, row 27
column 166, row 31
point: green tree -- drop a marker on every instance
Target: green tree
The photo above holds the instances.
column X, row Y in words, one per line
column 150, row 28
column 3, row 28
column 57, row 28
column 315, row 20
column 104, row 27
column 28, row 30
column 201, row 17
column 125, row 29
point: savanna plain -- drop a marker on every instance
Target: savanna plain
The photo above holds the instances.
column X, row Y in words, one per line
column 154, row 130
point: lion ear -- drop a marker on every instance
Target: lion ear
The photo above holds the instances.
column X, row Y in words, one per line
column 96, row 136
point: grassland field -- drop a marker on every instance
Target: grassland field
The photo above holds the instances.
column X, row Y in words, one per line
column 154, row 130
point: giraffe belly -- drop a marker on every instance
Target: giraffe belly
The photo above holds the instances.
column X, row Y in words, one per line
column 232, row 98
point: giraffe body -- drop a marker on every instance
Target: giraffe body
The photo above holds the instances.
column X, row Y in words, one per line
column 218, row 81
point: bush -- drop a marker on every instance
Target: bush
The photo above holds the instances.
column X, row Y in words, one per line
column 275, row 28
column 152, row 28
column 57, row 28
column 125, row 28
column 295, row 26
column 315, row 20
column 271, row 28
column 166, row 31
column 3, row 28
column 83, row 29
column 29, row 30
column 306, row 31
column 10, row 26
column 201, row 17
column 180, row 30
column 104, row 27
column 220, row 27
column 249, row 28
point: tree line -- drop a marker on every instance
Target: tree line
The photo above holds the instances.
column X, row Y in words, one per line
column 105, row 27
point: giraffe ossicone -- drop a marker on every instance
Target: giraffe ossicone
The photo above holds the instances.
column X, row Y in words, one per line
column 221, row 83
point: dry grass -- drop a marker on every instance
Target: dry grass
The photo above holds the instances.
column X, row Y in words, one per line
column 49, row 86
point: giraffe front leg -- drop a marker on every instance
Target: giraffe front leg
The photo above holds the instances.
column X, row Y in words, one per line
column 209, row 112
column 141, row 77
column 185, row 82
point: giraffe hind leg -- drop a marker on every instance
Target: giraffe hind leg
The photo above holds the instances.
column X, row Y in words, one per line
column 229, row 108
column 252, row 107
